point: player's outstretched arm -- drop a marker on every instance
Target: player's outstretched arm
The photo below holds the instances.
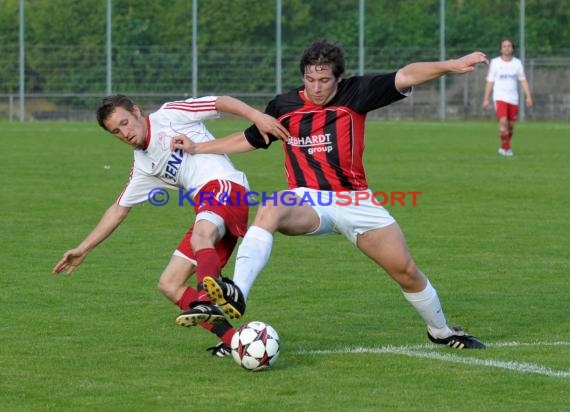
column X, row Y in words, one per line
column 112, row 218
column 266, row 124
column 234, row 143
column 417, row 73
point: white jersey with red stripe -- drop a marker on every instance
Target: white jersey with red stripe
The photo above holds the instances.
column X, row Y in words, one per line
column 505, row 74
column 156, row 166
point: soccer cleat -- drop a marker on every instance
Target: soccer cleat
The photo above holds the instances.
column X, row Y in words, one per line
column 506, row 152
column 459, row 340
column 226, row 295
column 220, row 350
column 200, row 312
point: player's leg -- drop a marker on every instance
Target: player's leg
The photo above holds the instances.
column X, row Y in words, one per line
column 286, row 217
column 208, row 230
column 501, row 111
column 217, row 209
column 511, row 127
column 504, row 135
column 253, row 253
column 224, row 249
column 387, row 247
column 173, row 285
column 198, row 307
column 172, row 282
column 218, row 226
column 512, row 115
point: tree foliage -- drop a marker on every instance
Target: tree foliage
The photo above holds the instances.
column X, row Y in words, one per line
column 152, row 40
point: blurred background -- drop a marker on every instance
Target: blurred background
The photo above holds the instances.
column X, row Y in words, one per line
column 59, row 57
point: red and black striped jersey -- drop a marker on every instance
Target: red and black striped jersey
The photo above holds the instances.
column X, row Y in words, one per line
column 326, row 143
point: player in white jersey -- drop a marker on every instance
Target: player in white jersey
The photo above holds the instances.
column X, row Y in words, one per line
column 504, row 74
column 202, row 179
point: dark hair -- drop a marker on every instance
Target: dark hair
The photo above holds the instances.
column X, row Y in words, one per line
column 323, row 53
column 509, row 40
column 109, row 104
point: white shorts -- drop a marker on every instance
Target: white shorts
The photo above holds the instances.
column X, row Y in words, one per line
column 350, row 213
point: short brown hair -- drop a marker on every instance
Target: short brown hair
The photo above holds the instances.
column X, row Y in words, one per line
column 109, row 104
column 323, row 53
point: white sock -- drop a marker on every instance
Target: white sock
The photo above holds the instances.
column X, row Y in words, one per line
column 253, row 254
column 428, row 306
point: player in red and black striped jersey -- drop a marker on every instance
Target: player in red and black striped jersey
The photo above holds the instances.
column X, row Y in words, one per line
column 326, row 143
column 323, row 160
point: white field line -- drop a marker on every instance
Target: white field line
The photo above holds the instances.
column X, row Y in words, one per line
column 423, row 351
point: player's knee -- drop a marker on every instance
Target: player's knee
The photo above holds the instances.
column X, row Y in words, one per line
column 162, row 286
column 408, row 275
column 165, row 287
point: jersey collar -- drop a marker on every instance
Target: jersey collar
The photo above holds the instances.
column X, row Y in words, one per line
column 308, row 102
column 147, row 140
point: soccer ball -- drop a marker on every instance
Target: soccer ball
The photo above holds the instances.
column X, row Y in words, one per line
column 255, row 346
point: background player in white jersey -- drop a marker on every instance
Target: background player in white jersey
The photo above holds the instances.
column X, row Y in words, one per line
column 504, row 73
column 210, row 241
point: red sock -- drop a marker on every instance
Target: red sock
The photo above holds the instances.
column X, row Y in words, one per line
column 224, row 331
column 190, row 295
column 504, row 140
column 209, row 264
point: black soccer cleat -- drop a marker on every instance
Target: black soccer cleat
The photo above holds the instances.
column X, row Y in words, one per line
column 459, row 340
column 226, row 295
column 220, row 350
column 200, row 312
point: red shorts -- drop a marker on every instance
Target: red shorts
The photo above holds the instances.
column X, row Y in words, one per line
column 504, row 109
column 225, row 199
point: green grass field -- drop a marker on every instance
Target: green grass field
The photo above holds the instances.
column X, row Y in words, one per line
column 491, row 233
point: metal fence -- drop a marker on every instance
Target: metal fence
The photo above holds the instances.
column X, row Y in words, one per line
column 69, row 86
column 549, row 79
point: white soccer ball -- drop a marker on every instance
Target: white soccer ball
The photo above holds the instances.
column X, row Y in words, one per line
column 255, row 346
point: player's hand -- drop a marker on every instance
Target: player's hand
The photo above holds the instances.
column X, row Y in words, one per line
column 467, row 63
column 71, row 259
column 485, row 105
column 528, row 101
column 183, row 142
column 268, row 125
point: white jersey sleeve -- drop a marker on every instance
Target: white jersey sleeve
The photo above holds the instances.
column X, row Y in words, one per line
column 492, row 73
column 191, row 110
column 138, row 189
